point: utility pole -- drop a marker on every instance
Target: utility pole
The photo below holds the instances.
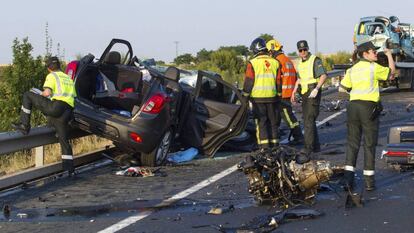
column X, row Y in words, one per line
column 176, row 48
column 316, row 34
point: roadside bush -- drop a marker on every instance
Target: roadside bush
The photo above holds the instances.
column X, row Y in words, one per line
column 340, row 57
column 24, row 73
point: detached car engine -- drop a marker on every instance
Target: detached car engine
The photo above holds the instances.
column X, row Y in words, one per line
column 275, row 177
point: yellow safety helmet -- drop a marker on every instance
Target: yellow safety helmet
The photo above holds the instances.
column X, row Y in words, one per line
column 274, row 45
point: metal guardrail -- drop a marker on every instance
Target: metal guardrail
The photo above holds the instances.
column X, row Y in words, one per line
column 335, row 73
column 14, row 141
column 35, row 173
column 37, row 138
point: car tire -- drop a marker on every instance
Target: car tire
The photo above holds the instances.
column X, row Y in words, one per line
column 158, row 156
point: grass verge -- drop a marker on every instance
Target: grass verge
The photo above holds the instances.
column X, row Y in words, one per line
column 21, row 160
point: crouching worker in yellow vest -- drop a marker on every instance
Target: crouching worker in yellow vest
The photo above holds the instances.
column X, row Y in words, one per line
column 260, row 83
column 364, row 107
column 56, row 102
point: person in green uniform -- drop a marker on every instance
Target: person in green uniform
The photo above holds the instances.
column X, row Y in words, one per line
column 56, row 102
column 361, row 80
column 311, row 76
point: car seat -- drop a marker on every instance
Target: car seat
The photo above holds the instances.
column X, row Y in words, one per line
column 117, row 85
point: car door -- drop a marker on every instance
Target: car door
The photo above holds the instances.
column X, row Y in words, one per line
column 217, row 113
column 121, row 46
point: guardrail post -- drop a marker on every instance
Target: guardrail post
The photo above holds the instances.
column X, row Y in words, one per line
column 39, row 156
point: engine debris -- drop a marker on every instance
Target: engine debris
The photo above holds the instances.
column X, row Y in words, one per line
column 276, row 178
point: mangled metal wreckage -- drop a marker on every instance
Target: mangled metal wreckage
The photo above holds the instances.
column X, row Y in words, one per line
column 279, row 178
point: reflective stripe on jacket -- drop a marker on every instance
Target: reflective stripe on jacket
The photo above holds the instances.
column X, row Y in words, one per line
column 62, row 87
column 265, row 70
column 305, row 69
column 288, row 75
column 363, row 78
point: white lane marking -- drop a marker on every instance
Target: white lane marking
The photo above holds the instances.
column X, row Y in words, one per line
column 284, row 141
column 133, row 219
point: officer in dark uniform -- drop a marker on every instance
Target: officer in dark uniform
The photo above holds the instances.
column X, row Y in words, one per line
column 311, row 76
column 361, row 80
column 56, row 102
column 260, row 83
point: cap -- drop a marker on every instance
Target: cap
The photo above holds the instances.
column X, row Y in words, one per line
column 52, row 60
column 364, row 47
column 302, row 44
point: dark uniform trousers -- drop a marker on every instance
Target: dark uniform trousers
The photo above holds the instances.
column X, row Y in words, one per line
column 286, row 113
column 59, row 113
column 310, row 111
column 359, row 122
column 267, row 115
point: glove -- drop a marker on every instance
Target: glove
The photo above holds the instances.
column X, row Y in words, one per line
column 245, row 94
column 314, row 93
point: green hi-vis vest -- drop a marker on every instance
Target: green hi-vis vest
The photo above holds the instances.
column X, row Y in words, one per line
column 265, row 70
column 363, row 78
column 305, row 70
column 62, row 87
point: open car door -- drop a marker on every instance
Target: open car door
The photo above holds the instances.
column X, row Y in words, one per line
column 217, row 113
column 123, row 47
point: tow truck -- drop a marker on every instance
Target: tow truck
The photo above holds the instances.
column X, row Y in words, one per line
column 388, row 33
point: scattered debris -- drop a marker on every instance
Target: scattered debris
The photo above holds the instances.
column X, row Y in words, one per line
column 215, row 210
column 353, row 200
column 407, row 108
column 283, row 178
column 268, row 223
column 6, row 210
column 218, row 210
column 139, row 172
column 178, row 218
column 334, row 152
column 332, row 106
column 183, row 156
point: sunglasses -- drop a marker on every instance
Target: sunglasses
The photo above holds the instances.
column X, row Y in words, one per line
column 302, row 50
column 373, row 51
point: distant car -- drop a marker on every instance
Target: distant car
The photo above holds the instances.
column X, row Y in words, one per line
column 400, row 148
column 143, row 110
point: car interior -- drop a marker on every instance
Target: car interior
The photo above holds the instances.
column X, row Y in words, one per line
column 112, row 85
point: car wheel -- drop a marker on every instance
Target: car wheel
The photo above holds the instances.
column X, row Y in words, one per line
column 158, row 156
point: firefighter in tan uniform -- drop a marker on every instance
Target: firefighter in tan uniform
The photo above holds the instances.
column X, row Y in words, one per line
column 361, row 80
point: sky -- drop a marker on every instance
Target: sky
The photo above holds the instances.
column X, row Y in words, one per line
column 153, row 26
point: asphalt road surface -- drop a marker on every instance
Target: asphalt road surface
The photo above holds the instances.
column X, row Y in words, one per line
column 99, row 201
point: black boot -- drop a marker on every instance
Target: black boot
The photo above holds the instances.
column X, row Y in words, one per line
column 303, row 156
column 369, row 183
column 347, row 181
column 298, row 138
column 24, row 129
column 67, row 165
